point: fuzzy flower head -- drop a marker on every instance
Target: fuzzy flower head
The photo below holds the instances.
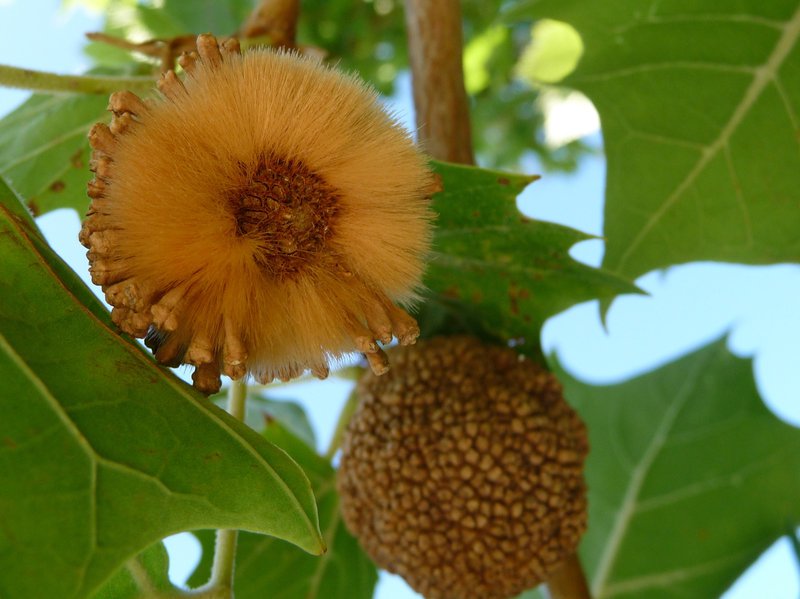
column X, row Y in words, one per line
column 264, row 216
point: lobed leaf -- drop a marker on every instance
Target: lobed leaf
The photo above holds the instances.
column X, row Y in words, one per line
column 678, row 456
column 103, row 453
column 699, row 105
column 508, row 272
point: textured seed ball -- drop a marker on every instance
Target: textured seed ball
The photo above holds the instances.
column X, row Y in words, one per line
column 462, row 470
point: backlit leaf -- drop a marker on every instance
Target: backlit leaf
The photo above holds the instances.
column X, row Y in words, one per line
column 690, row 478
column 44, row 152
column 700, row 107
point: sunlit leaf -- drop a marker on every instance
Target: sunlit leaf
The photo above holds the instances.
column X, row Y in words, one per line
column 552, row 54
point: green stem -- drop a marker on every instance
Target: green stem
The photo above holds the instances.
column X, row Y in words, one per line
column 341, row 425
column 221, row 583
column 78, row 84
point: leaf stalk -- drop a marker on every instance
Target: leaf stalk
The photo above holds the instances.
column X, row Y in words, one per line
column 76, row 84
column 221, row 583
column 568, row 580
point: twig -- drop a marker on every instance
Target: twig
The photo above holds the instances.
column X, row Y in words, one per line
column 221, row 583
column 276, row 19
column 440, row 100
column 568, row 581
column 78, row 84
column 166, row 51
column 341, row 425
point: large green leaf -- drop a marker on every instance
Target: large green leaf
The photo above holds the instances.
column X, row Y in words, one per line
column 508, row 272
column 690, row 478
column 699, row 104
column 103, row 453
column 266, row 567
column 44, row 152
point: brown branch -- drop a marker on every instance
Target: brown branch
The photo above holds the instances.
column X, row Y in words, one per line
column 440, row 100
column 568, row 580
column 164, row 50
column 275, row 19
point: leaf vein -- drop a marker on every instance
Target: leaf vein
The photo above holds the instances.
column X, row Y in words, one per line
column 762, row 76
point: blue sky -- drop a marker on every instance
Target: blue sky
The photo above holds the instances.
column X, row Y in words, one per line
column 688, row 306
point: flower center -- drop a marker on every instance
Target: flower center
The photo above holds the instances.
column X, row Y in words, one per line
column 288, row 209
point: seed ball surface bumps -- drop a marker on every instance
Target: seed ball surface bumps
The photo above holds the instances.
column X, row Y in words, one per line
column 462, row 470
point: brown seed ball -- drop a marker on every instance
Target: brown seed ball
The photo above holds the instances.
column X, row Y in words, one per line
column 462, row 470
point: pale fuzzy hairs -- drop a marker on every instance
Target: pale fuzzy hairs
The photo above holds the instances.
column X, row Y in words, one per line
column 173, row 169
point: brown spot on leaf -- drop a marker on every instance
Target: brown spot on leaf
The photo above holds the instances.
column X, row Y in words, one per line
column 476, row 214
column 514, row 295
column 33, row 207
column 214, row 456
column 76, row 160
column 452, row 292
column 503, row 181
column 9, row 442
column 477, row 297
column 57, row 186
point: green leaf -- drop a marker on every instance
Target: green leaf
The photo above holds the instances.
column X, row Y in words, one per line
column 44, row 152
column 261, row 409
column 146, row 575
column 506, row 271
column 201, row 16
column 532, row 594
column 698, row 101
column 690, row 478
column 290, row 415
column 266, row 567
column 552, row 54
column 103, row 453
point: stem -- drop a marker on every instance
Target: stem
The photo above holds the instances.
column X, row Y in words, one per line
column 568, row 580
column 79, row 84
column 440, row 100
column 237, row 396
column 276, row 19
column 341, row 425
column 221, row 583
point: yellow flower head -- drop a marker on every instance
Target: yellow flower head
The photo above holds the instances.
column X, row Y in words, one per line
column 264, row 216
